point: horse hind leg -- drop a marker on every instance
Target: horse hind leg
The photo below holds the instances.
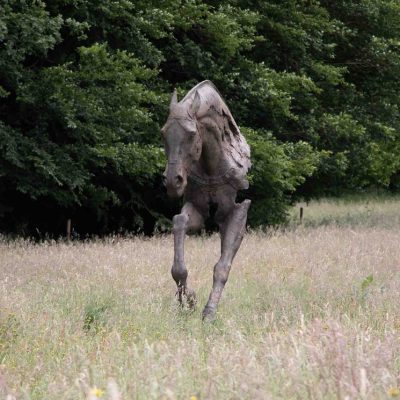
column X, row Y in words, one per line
column 232, row 232
column 188, row 219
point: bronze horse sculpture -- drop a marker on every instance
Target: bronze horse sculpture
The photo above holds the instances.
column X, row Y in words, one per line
column 208, row 159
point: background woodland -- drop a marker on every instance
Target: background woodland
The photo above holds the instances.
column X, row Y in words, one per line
column 85, row 87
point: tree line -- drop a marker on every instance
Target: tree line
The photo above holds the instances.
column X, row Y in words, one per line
column 85, row 87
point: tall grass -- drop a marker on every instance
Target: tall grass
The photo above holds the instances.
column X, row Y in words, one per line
column 367, row 211
column 310, row 313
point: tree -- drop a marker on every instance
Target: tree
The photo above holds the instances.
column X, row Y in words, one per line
column 85, row 85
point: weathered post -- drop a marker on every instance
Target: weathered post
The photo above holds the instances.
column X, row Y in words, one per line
column 301, row 215
column 69, row 229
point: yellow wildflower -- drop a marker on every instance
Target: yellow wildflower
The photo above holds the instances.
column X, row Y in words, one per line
column 394, row 392
column 96, row 392
column 193, row 397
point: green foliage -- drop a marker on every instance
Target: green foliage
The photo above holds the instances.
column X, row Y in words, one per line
column 95, row 314
column 367, row 282
column 27, row 31
column 278, row 169
column 10, row 329
column 85, row 85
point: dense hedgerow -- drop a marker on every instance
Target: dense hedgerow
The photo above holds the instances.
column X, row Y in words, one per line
column 85, row 85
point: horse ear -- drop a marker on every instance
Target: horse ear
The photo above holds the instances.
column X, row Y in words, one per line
column 174, row 100
column 195, row 104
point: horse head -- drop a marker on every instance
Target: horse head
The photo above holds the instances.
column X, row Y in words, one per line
column 182, row 142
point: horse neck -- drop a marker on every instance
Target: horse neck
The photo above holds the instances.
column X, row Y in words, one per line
column 212, row 161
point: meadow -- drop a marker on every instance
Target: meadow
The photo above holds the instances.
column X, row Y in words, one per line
column 311, row 311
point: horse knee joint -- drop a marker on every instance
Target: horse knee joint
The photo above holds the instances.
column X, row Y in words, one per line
column 179, row 273
column 180, row 221
column 221, row 272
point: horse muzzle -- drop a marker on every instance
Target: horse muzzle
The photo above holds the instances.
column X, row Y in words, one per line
column 175, row 184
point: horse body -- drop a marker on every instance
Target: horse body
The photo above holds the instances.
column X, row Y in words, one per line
column 208, row 159
column 223, row 145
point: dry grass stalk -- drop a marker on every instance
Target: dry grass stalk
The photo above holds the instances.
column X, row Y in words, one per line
column 311, row 313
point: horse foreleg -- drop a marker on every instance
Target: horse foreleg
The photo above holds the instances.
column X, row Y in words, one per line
column 188, row 219
column 232, row 231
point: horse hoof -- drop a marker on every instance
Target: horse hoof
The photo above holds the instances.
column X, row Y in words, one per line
column 178, row 295
column 209, row 314
column 191, row 299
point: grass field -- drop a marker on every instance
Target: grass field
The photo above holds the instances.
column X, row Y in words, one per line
column 367, row 211
column 311, row 312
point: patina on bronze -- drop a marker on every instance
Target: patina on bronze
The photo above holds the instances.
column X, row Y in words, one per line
column 208, row 159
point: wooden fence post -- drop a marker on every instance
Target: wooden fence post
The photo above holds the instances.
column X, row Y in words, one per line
column 301, row 215
column 69, row 229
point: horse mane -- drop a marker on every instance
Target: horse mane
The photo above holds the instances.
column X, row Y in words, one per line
column 234, row 144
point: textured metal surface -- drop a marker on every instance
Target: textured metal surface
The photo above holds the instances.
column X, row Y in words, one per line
column 208, row 159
